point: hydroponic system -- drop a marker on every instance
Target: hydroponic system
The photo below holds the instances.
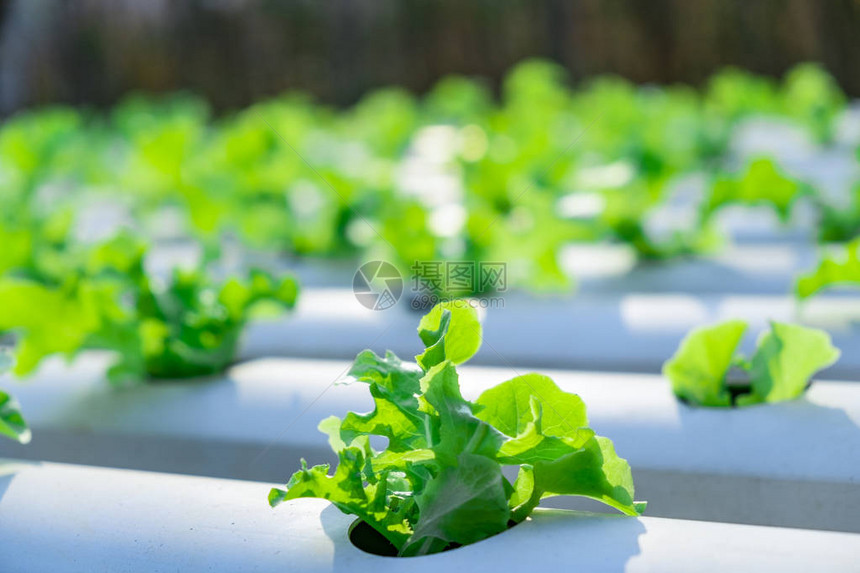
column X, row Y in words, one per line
column 587, row 325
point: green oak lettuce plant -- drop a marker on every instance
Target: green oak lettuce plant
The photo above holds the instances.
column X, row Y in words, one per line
column 188, row 325
column 780, row 369
column 184, row 326
column 439, row 482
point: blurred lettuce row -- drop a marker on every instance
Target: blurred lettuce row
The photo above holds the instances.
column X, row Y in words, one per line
column 12, row 424
column 455, row 175
column 808, row 95
column 183, row 326
column 44, row 158
column 706, row 370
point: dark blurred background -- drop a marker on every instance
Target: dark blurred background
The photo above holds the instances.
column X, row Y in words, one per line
column 235, row 52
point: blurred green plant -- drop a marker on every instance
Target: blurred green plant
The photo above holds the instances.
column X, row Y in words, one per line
column 812, row 97
column 761, row 183
column 185, row 326
column 455, row 175
column 834, row 270
column 12, row 424
column 785, row 359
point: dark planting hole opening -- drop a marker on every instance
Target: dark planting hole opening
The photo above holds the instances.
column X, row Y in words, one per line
column 366, row 538
column 370, row 541
column 737, row 383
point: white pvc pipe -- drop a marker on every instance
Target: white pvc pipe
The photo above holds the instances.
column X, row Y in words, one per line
column 629, row 332
column 67, row 519
column 759, row 268
column 792, row 464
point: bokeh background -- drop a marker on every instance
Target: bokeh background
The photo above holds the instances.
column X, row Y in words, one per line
column 639, row 169
column 200, row 193
column 235, row 52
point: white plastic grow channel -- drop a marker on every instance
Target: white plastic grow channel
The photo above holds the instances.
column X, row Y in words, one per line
column 789, row 464
column 759, row 268
column 629, row 333
column 768, row 268
column 69, row 519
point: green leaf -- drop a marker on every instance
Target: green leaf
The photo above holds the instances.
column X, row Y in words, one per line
column 535, row 444
column 238, row 297
column 394, row 386
column 508, row 407
column 346, row 490
column 523, row 499
column 762, row 183
column 450, row 331
column 464, row 504
column 12, row 424
column 698, row 368
column 402, row 425
column 832, row 271
column 342, row 488
column 49, row 320
column 812, row 96
column 594, row 471
column 400, row 379
column 786, row 358
column 454, row 428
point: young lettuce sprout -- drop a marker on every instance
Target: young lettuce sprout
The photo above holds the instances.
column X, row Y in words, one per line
column 188, row 325
column 439, row 482
column 780, row 369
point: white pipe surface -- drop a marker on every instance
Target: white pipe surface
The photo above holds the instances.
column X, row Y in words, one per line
column 66, row 519
column 791, row 464
column 613, row 332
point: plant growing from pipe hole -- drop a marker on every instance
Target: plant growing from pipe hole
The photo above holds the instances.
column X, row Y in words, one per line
column 186, row 326
column 786, row 357
column 439, row 482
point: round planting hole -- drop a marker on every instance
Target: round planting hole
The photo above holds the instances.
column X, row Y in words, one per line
column 369, row 540
column 366, row 538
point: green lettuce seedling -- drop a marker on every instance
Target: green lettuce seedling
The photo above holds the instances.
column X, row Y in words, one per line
column 439, row 483
column 183, row 327
column 780, row 369
column 832, row 272
column 188, row 325
column 12, row 424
